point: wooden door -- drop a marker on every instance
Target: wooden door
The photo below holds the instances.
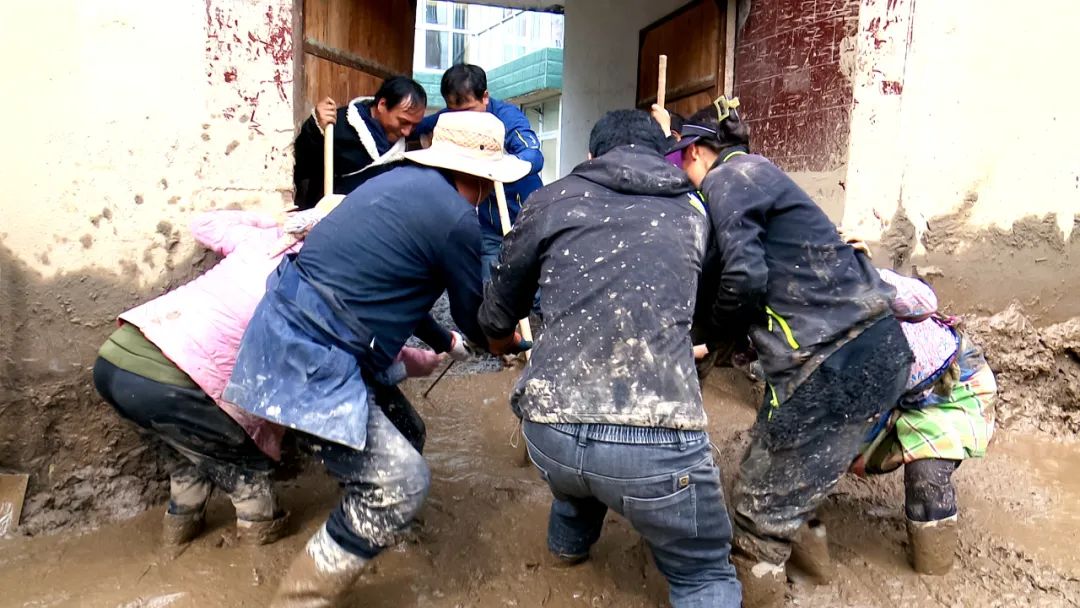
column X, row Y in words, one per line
column 693, row 38
column 351, row 46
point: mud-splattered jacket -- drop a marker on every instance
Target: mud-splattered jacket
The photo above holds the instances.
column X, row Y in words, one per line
column 340, row 311
column 617, row 248
column 778, row 268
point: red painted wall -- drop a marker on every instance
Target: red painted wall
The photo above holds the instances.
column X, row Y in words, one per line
column 789, row 80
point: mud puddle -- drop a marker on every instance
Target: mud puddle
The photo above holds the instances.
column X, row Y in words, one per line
column 480, row 539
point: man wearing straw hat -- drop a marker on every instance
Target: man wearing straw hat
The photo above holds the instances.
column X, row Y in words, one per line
column 333, row 319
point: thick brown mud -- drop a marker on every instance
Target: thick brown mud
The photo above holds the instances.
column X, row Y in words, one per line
column 480, row 539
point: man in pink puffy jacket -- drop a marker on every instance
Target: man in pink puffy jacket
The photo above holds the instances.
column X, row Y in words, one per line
column 167, row 364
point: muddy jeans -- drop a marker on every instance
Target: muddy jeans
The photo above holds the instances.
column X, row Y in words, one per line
column 663, row 481
column 800, row 449
column 384, row 485
column 218, row 450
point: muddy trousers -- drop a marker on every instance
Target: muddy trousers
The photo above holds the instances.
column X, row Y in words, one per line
column 384, row 486
column 929, row 494
column 664, row 482
column 218, row 451
column 800, row 448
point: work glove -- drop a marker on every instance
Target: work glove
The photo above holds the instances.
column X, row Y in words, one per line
column 458, row 351
column 419, row 362
column 300, row 223
column 510, row 345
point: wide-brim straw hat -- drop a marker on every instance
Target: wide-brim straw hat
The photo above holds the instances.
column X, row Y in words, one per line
column 472, row 143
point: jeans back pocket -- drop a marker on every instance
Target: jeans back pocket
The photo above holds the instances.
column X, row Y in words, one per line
column 666, row 519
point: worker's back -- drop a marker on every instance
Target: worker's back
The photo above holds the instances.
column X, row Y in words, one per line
column 619, row 246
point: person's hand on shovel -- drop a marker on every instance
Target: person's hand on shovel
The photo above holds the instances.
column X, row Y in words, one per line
column 663, row 117
column 325, row 113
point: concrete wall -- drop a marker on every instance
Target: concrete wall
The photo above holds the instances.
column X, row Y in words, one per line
column 600, row 69
column 793, row 77
column 963, row 160
column 124, row 119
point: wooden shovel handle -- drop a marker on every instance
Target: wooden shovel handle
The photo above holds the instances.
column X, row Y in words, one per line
column 328, row 160
column 661, row 82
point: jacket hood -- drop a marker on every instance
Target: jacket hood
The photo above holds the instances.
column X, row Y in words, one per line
column 634, row 170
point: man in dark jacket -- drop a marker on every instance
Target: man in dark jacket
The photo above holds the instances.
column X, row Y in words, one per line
column 610, row 401
column 464, row 87
column 335, row 316
column 818, row 315
column 369, row 135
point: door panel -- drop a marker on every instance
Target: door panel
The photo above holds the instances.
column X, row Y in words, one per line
column 351, row 46
column 693, row 39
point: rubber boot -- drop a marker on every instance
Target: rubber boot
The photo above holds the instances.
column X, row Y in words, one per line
column 262, row 532
column 810, row 553
column 185, row 517
column 932, row 545
column 320, row 576
column 181, row 528
column 764, row 585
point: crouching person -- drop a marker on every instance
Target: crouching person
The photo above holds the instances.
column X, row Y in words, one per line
column 610, row 402
column 335, row 316
column 819, row 317
column 165, row 368
column 945, row 416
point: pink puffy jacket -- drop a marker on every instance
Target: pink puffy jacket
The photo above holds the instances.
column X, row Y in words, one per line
column 198, row 325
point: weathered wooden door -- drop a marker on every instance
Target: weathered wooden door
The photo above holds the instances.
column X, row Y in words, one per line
column 693, row 38
column 351, row 46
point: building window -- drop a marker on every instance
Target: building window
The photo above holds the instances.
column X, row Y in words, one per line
column 445, row 36
column 436, row 12
column 434, row 47
column 460, row 20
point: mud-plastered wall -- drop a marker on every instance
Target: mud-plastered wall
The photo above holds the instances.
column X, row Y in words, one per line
column 963, row 162
column 793, row 75
column 125, row 119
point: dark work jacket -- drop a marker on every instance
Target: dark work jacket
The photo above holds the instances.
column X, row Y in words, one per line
column 341, row 309
column 778, row 269
column 361, row 151
column 520, row 141
column 616, row 248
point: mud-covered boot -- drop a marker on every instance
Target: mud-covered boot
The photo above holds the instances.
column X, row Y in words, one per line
column 180, row 528
column 262, row 532
column 259, row 521
column 320, row 576
column 932, row 545
column 764, row 584
column 185, row 517
column 810, row 553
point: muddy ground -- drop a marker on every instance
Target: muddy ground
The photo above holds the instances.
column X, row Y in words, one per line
column 480, row 541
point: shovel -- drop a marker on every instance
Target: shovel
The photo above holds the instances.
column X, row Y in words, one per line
column 12, row 494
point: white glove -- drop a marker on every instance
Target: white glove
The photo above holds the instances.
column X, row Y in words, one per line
column 301, row 222
column 457, row 351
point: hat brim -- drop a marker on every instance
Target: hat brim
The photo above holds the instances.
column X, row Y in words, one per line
column 506, row 169
column 683, row 143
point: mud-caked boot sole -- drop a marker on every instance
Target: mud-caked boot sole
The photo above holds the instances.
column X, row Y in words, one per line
column 257, row 533
column 764, row 585
column 179, row 529
column 810, row 553
column 932, row 545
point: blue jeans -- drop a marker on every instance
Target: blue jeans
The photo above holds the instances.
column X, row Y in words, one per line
column 664, row 482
